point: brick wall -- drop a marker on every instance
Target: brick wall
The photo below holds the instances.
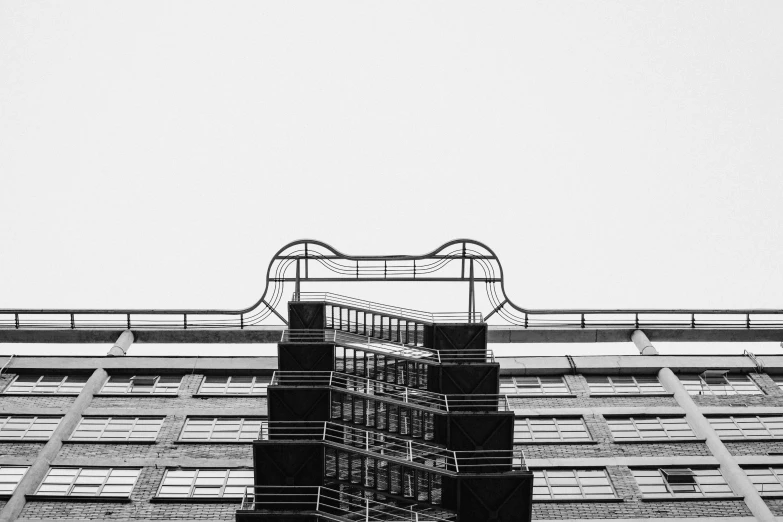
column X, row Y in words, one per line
column 20, row 449
column 754, row 448
column 775, row 505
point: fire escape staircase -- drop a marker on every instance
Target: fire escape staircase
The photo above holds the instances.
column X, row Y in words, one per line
column 382, row 414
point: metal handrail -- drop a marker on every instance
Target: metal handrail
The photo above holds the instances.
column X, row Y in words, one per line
column 373, row 345
column 388, row 310
column 397, row 449
column 390, row 392
column 330, row 504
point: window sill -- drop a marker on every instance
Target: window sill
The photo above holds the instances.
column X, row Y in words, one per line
column 691, row 499
column 614, row 500
column 66, row 498
column 5, row 496
column 754, row 439
column 232, row 395
column 541, row 396
column 13, row 394
column 124, row 442
column 214, row 442
column 191, row 500
column 656, row 441
column 635, row 395
column 44, row 441
column 554, row 442
column 136, row 395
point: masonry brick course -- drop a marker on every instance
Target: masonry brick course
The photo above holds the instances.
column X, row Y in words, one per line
column 741, row 448
column 20, row 449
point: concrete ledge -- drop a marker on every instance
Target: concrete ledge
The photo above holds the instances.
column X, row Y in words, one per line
column 496, row 334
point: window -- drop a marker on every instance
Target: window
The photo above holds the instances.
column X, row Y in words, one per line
column 533, row 429
column 205, row 483
column 10, row 477
column 234, row 385
column 60, row 384
column 557, row 484
column 624, row 384
column 750, row 427
column 142, row 384
column 28, row 428
column 533, row 386
column 91, row 482
column 768, row 481
column 222, row 429
column 117, row 428
column 723, row 384
column 650, row 428
column 679, row 482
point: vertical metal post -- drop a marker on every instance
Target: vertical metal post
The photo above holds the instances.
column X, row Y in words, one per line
column 471, row 294
column 298, row 284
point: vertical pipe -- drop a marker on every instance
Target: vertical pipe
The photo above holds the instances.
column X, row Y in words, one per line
column 471, row 294
column 40, row 466
column 735, row 476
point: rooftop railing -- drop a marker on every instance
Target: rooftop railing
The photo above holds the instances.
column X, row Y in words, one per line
column 460, row 261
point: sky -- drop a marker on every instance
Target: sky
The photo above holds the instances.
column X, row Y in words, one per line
column 614, row 154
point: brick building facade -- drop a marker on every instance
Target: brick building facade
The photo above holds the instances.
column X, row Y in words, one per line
column 600, row 434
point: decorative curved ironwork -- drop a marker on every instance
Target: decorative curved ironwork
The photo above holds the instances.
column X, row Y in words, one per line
column 461, row 260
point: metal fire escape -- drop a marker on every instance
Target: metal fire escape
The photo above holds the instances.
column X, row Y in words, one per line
column 383, row 414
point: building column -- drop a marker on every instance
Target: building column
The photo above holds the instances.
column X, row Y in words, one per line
column 644, row 345
column 735, row 476
column 122, row 345
column 40, row 466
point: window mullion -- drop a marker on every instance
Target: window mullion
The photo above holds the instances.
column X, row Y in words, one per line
column 579, row 483
column 193, row 482
column 73, row 480
column 132, row 427
column 105, row 426
column 212, row 429
column 228, row 385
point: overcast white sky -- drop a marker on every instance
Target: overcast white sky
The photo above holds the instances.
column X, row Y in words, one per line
column 614, row 154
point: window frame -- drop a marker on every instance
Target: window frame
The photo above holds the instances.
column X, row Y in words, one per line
column 566, row 390
column 263, row 429
column 773, row 473
column 705, row 388
column 634, row 418
column 575, row 471
column 673, row 495
column 742, row 436
column 63, row 383
column 24, row 437
column 640, row 386
column 127, row 439
column 226, row 392
column 16, row 484
column 101, row 487
column 556, row 424
column 153, row 392
column 193, row 485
